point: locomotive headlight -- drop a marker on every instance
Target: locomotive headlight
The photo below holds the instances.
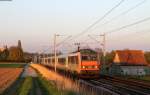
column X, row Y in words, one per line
column 96, row 66
column 83, row 67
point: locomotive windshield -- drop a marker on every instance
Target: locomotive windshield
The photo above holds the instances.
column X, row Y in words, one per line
column 89, row 58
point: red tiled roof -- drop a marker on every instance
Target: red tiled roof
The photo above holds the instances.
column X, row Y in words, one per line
column 131, row 57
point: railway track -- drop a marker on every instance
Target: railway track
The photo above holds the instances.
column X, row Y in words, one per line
column 121, row 86
column 116, row 85
column 140, row 83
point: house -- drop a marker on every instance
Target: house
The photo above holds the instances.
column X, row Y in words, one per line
column 129, row 62
column 130, row 57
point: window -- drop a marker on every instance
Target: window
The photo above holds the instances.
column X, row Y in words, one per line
column 53, row 60
column 89, row 58
column 73, row 59
column 62, row 60
column 49, row 60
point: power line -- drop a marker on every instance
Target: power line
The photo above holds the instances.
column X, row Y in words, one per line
column 129, row 25
column 86, row 30
column 63, row 41
column 125, row 12
column 131, row 34
column 114, row 30
column 93, row 39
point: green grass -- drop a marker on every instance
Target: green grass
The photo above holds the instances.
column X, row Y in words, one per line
column 49, row 87
column 145, row 78
column 5, row 65
column 46, row 87
column 26, row 86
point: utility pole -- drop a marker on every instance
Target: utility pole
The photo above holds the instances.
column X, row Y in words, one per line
column 78, row 44
column 104, row 68
column 56, row 45
column 39, row 58
column 104, row 46
column 55, row 55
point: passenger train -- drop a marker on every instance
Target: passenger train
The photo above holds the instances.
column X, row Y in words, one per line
column 83, row 64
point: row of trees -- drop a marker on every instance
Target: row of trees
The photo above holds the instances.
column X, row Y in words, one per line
column 147, row 56
column 4, row 55
column 13, row 54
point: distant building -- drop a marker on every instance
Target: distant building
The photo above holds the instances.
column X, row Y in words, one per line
column 16, row 53
column 130, row 63
column 130, row 57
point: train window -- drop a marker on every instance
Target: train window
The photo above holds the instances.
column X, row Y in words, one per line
column 49, row 60
column 73, row 60
column 89, row 58
column 61, row 60
column 53, row 60
column 45, row 60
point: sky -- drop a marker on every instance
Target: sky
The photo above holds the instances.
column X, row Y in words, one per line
column 35, row 22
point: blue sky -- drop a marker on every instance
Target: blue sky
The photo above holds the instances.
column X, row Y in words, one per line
column 34, row 22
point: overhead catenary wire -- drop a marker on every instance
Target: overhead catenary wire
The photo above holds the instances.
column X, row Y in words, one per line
column 93, row 39
column 131, row 35
column 116, row 17
column 97, row 21
column 123, row 13
column 63, row 41
column 129, row 25
column 114, row 30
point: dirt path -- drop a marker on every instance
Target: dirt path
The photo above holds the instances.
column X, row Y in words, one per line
column 30, row 72
column 36, row 86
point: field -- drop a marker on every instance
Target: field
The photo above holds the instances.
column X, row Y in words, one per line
column 8, row 76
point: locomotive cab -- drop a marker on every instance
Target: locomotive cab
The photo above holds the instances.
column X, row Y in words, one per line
column 89, row 65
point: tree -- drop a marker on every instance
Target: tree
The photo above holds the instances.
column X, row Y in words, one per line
column 147, row 57
column 4, row 54
column 15, row 54
column 108, row 58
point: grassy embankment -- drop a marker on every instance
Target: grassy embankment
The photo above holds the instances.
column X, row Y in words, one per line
column 3, row 65
column 26, row 86
column 30, row 85
column 49, row 87
column 145, row 78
